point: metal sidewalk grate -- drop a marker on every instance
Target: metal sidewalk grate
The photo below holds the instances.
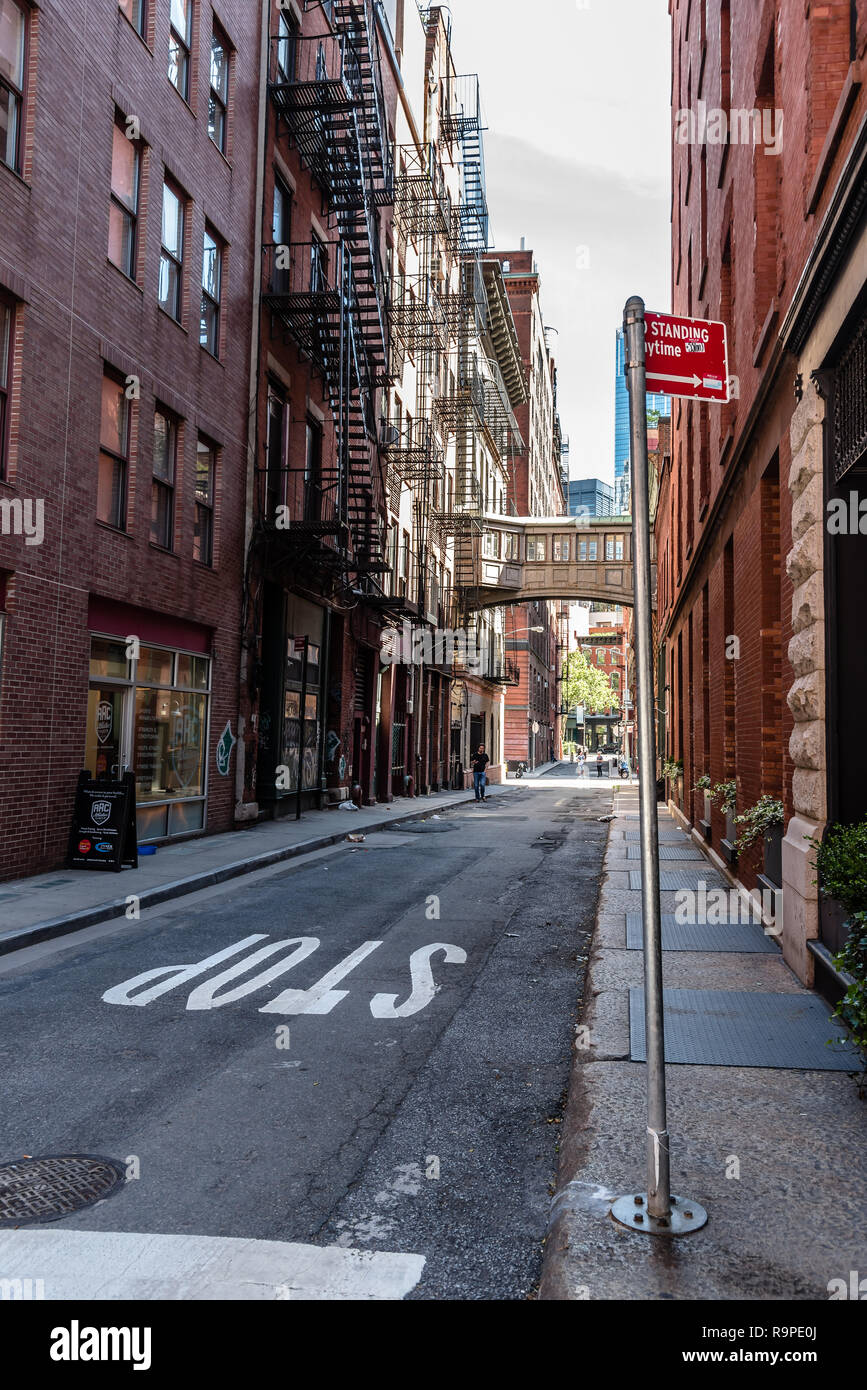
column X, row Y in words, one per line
column 684, row 851
column 722, row 1028
column 680, row 936
column 671, row 880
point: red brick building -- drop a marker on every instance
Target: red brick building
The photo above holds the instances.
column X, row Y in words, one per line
column 317, row 519
column 760, row 672
column 128, row 151
column 533, row 718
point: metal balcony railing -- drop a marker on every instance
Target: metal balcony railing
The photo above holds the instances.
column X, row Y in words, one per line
column 321, row 73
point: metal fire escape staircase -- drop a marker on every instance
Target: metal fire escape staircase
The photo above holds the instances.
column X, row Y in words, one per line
column 327, row 92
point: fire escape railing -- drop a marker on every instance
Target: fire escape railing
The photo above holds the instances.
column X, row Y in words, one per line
column 327, row 93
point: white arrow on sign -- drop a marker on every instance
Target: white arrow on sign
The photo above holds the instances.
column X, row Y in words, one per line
column 681, row 380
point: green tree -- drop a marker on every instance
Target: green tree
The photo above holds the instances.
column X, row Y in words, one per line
column 588, row 686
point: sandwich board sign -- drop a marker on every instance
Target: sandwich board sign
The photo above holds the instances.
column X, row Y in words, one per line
column 686, row 357
column 103, row 833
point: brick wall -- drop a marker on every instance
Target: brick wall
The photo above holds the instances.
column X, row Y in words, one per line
column 76, row 311
column 744, row 223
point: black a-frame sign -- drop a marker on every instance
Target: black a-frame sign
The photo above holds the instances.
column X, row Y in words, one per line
column 103, row 834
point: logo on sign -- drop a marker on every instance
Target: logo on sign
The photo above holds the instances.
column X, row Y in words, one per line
column 84, row 847
column 100, row 812
column 104, row 720
column 104, row 848
column 186, row 734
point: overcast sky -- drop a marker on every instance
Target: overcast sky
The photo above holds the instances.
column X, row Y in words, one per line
column 578, row 158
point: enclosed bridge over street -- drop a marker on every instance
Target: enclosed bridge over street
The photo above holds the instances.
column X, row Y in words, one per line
column 528, row 559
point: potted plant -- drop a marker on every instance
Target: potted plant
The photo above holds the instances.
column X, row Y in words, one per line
column 841, row 865
column 727, row 795
column 765, row 820
column 703, row 786
column 851, row 962
column 672, row 769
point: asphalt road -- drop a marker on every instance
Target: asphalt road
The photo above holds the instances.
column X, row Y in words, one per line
column 393, row 1081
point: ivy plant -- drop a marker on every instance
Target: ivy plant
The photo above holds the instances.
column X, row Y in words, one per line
column 703, row 784
column 672, row 768
column 764, row 816
column 727, row 793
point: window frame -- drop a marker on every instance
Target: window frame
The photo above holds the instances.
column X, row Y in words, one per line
column 131, row 213
column 168, row 256
column 216, row 98
column 185, row 47
column 142, row 6
column 18, row 94
column 163, row 485
column 209, row 300
column 123, row 460
column 206, row 508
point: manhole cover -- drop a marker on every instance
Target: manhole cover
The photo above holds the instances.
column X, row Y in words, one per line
column 44, row 1189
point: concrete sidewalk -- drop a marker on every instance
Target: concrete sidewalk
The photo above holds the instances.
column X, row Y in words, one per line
column 55, row 904
column 777, row 1156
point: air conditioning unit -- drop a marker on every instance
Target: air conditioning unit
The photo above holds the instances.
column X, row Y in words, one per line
column 390, row 437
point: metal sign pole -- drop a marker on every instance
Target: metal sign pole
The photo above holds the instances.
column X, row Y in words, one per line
column 654, row 1211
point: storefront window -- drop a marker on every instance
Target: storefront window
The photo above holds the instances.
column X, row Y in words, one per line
column 150, row 715
column 296, row 689
column 108, row 658
column 155, row 666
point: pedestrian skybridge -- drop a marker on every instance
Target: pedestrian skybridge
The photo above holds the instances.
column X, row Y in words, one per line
column 529, row 559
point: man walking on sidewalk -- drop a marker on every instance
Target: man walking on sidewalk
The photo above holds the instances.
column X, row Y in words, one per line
column 480, row 774
column 599, row 764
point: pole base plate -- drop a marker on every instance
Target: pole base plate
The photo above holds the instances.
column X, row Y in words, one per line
column 686, row 1216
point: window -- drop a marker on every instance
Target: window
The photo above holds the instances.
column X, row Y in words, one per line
column 614, row 547
column 165, row 464
column 561, row 549
column 313, row 471
column 172, row 253
column 615, row 680
column 318, row 266
column 600, row 656
column 592, row 550
column 13, row 31
column 203, row 531
column 491, row 545
column 281, row 231
column 123, row 212
column 511, row 546
column 136, row 13
column 212, row 276
column 287, row 48
column 5, row 377
column 180, row 38
column 219, row 96
column 276, row 452
column 114, row 440
column 536, row 548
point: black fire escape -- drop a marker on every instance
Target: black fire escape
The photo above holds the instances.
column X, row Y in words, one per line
column 329, row 298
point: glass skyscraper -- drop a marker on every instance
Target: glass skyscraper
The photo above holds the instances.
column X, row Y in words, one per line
column 656, row 406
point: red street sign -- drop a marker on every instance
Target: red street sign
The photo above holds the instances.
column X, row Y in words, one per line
column 686, row 357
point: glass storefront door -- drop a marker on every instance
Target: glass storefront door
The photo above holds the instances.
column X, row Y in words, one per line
column 105, row 754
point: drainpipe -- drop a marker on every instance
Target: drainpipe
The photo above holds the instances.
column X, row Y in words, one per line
column 251, row 811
